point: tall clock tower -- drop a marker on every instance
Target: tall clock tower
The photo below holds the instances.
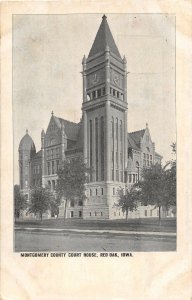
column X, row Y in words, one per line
column 105, row 123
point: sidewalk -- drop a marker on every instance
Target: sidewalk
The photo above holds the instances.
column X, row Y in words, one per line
column 74, row 230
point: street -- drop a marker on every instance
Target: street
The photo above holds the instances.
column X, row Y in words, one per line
column 29, row 240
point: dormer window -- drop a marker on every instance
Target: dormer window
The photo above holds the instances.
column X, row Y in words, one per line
column 147, row 138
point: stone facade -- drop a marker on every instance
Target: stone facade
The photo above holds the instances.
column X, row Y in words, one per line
column 115, row 156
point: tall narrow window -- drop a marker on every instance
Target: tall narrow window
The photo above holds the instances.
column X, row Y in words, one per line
column 93, row 94
column 57, row 165
column 113, row 145
column 102, row 148
column 48, row 168
column 53, row 167
column 117, row 137
column 121, row 131
column 91, row 148
column 96, row 148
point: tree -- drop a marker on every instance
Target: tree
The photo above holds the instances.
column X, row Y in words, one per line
column 72, row 177
column 41, row 200
column 171, row 179
column 128, row 200
column 20, row 201
column 153, row 187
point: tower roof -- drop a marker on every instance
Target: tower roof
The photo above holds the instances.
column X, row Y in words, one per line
column 104, row 39
column 27, row 143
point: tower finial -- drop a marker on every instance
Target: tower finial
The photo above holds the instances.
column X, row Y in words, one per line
column 104, row 17
column 146, row 125
column 52, row 113
column 27, row 131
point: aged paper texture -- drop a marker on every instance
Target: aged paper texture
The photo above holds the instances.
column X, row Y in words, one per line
column 146, row 275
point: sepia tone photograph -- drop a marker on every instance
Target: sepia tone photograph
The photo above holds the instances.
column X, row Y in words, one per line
column 94, row 131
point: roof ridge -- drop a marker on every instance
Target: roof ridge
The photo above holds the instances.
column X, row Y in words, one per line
column 67, row 120
column 136, row 131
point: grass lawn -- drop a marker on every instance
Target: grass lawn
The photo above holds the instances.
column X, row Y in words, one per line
column 147, row 224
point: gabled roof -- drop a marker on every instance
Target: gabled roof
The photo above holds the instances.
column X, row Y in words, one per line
column 71, row 128
column 104, row 38
column 157, row 154
column 38, row 154
column 131, row 142
column 136, row 136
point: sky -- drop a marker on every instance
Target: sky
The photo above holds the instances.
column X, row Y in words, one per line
column 47, row 56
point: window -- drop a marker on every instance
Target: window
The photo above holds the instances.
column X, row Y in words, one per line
column 117, row 175
column 112, row 174
column 52, row 152
column 102, row 147
column 121, row 131
column 97, row 148
column 129, row 178
column 48, row 168
column 90, row 192
column 26, row 170
column 117, row 94
column 144, row 162
column 80, row 214
column 147, row 156
column 90, row 214
column 93, row 95
column 121, row 159
column 116, row 158
column 121, row 176
column 72, row 204
column 117, row 128
column 95, row 213
column 57, row 165
column 80, row 203
column 101, row 191
column 133, row 178
column 113, row 93
column 90, row 145
column 147, row 138
column 122, row 97
column 72, row 214
column 151, row 213
column 101, row 213
column 103, row 90
column 96, row 192
column 53, row 184
column 113, row 191
column 99, row 93
column 150, row 157
column 49, row 184
column 144, row 155
column 145, row 213
column 88, row 97
column 112, row 157
column 53, row 167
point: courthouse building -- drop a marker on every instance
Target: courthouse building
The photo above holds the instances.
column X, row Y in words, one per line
column 101, row 138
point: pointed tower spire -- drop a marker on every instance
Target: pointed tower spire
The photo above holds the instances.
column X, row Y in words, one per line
column 103, row 39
